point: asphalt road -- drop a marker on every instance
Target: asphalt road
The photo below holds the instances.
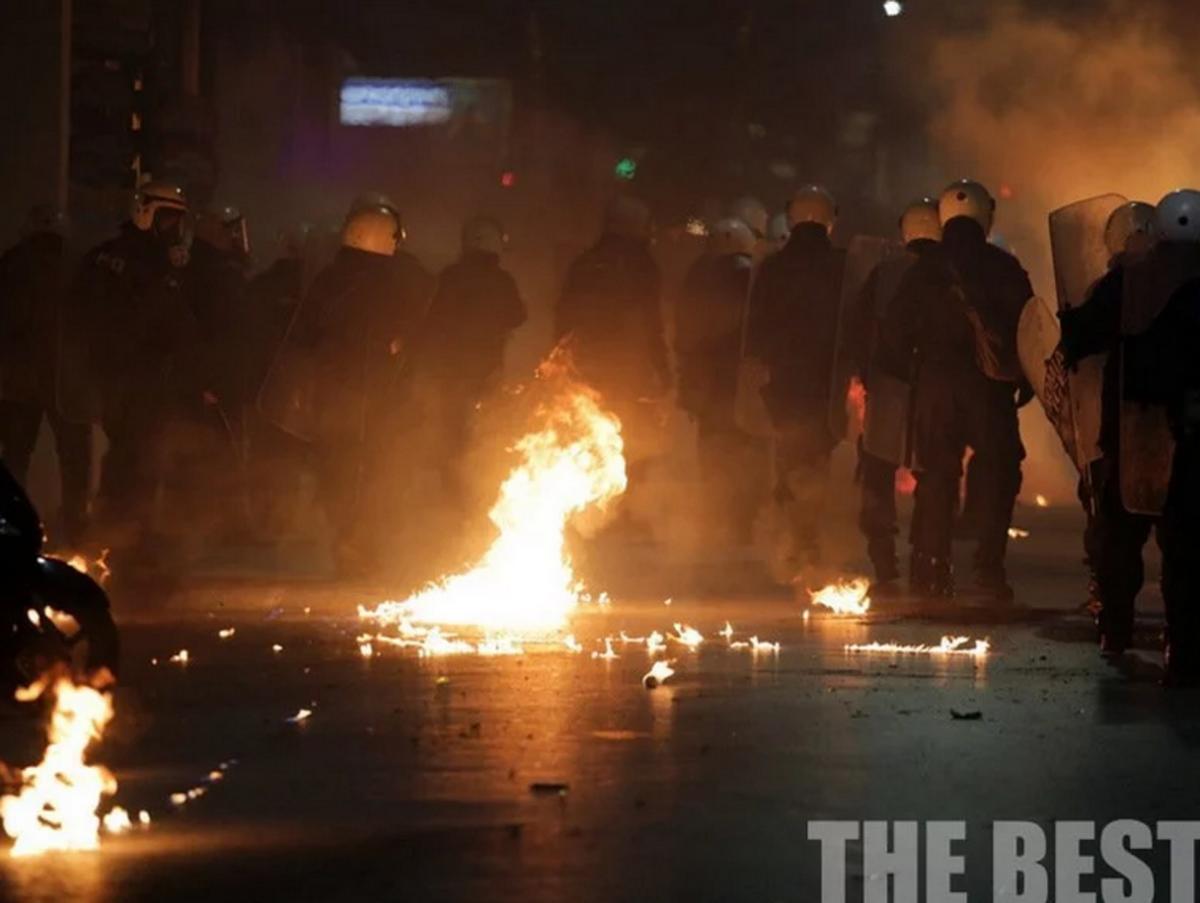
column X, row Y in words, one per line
column 554, row 775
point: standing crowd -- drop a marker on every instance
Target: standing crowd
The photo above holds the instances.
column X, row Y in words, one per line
column 208, row 381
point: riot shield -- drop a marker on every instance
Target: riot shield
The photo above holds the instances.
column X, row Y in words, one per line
column 1080, row 259
column 1038, row 335
column 863, row 255
column 288, row 395
column 1146, row 444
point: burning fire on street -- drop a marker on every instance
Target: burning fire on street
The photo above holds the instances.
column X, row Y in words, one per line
column 950, row 646
column 844, row 597
column 525, row 584
column 56, row 807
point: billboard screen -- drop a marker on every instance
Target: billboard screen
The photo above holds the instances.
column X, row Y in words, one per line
column 420, row 102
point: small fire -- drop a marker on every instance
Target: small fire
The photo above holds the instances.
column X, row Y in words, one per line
column 227, row 632
column 300, row 717
column 656, row 642
column 1017, row 533
column 949, row 646
column 688, row 636
column 572, row 644
column 97, row 567
column 658, row 674
column 525, row 582
column 1041, row 501
column 180, row 658
column 607, row 654
column 845, row 597
column 727, row 632
column 56, row 806
column 906, row 481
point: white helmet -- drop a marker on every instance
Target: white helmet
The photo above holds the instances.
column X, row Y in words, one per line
column 1177, row 216
column 920, row 219
column 812, row 204
column 482, row 233
column 1129, row 223
column 628, row 217
column 372, row 229
column 375, row 200
column 778, row 230
column 750, row 211
column 969, row 199
column 156, row 203
column 730, row 236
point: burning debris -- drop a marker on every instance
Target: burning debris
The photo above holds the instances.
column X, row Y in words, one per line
column 180, row 658
column 300, row 717
column 688, row 636
column 226, row 633
column 845, row 597
column 525, row 582
column 949, row 646
column 1041, row 501
column 183, row 797
column 658, row 674
column 56, row 806
column 607, row 654
column 572, row 644
column 1017, row 533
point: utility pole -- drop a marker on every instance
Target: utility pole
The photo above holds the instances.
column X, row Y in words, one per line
column 62, row 189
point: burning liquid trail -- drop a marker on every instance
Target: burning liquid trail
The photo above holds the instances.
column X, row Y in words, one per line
column 56, row 807
column 949, row 646
column 525, row 582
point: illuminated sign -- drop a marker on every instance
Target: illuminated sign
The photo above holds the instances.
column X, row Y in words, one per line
column 453, row 103
column 394, row 102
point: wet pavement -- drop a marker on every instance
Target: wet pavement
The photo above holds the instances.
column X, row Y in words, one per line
column 552, row 775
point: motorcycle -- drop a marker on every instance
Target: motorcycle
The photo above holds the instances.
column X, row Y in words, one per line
column 51, row 615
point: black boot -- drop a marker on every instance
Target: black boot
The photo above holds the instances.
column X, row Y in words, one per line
column 1115, row 626
column 930, row 577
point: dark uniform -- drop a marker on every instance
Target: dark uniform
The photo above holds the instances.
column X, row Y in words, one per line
column 149, row 361
column 792, row 329
column 474, row 312
column 36, row 323
column 360, row 327
column 877, row 515
column 610, row 309
column 1118, row 535
column 1162, row 366
column 709, row 315
column 957, row 311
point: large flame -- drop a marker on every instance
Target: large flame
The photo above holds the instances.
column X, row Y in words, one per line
column 56, row 806
column 573, row 461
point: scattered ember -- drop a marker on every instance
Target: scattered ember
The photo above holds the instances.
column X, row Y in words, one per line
column 180, row 658
column 1017, row 533
column 607, row 654
column 1041, row 501
column 300, row 717
column 727, row 632
column 658, row 674
column 656, row 642
column 227, row 632
column 688, row 636
column 572, row 644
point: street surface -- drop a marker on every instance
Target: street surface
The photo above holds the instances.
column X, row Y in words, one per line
column 553, row 775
